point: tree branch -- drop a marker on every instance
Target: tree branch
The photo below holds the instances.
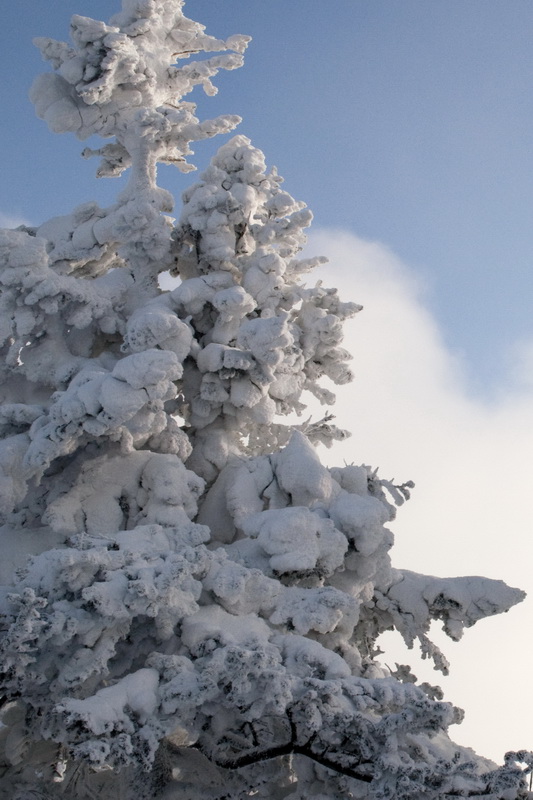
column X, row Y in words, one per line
column 255, row 757
column 290, row 748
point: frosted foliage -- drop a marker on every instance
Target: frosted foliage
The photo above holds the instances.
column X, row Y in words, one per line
column 264, row 337
column 196, row 599
column 124, row 80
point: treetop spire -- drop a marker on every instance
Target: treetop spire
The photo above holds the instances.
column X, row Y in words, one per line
column 125, row 80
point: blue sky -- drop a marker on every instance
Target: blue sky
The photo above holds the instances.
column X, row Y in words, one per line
column 408, row 125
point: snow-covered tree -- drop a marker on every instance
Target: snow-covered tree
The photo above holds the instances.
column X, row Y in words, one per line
column 192, row 601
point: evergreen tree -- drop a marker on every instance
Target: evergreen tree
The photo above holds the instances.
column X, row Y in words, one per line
column 198, row 598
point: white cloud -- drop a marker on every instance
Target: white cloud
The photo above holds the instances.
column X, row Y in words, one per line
column 410, row 413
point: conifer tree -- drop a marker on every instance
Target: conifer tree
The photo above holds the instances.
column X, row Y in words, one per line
column 198, row 599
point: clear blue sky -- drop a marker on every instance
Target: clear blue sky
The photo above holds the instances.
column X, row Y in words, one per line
column 406, row 122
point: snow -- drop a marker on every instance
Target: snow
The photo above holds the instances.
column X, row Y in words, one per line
column 110, row 709
column 362, row 518
column 458, row 602
column 301, row 474
column 298, row 540
column 321, row 610
column 212, row 622
column 307, row 658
